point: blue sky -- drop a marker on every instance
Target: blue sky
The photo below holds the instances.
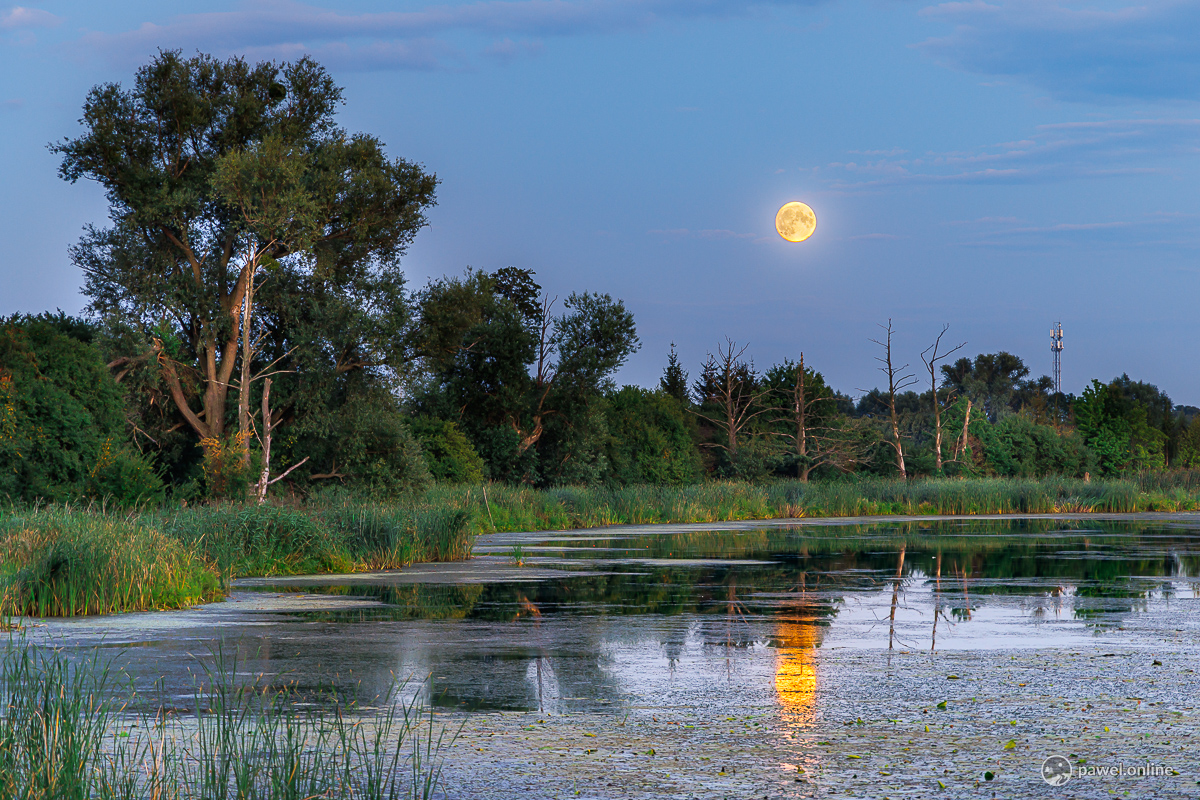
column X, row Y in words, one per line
column 996, row 166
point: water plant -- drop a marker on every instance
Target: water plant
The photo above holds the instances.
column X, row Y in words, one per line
column 67, row 732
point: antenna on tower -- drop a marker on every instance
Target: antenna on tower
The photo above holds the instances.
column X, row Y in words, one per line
column 1056, row 346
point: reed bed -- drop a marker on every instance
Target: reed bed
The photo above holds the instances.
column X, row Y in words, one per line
column 70, row 561
column 56, row 562
column 65, row 733
column 506, row 508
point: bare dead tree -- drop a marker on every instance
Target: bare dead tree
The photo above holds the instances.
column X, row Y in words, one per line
column 728, row 382
column 264, row 479
column 898, row 381
column 963, row 445
column 815, row 445
column 934, row 356
column 542, row 381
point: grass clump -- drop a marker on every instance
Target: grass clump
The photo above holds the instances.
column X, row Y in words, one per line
column 63, row 562
column 65, row 734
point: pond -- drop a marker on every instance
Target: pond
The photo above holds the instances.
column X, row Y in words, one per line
column 787, row 659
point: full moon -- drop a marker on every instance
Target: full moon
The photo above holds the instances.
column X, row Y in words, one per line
column 795, row 222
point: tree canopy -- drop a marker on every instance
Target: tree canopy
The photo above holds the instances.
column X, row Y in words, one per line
column 221, row 175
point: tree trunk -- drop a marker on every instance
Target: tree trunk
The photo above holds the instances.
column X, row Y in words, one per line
column 963, row 446
column 897, row 442
column 244, row 385
column 937, row 431
column 897, row 382
column 264, row 477
column 800, row 407
column 730, row 413
column 931, row 365
column 895, row 598
column 216, row 372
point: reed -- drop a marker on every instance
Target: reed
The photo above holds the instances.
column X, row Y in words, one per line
column 520, row 508
column 71, row 561
column 65, row 733
column 63, row 562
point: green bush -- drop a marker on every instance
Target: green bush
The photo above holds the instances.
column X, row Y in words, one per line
column 58, row 408
column 448, row 452
column 650, row 439
column 125, row 477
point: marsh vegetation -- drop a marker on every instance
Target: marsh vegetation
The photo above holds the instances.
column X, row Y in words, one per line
column 70, row 730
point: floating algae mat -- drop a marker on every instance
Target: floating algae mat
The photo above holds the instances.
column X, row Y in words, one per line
column 788, row 659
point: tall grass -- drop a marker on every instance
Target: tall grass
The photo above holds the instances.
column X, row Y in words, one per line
column 56, row 562
column 65, row 734
column 517, row 508
column 62, row 561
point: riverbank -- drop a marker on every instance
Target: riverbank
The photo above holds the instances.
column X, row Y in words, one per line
column 69, row 561
column 65, row 561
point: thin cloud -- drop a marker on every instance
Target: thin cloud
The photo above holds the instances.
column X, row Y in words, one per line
column 20, row 17
column 872, row 237
column 1076, row 51
column 1150, row 229
column 723, row 234
column 404, row 39
column 1074, row 150
column 710, row 234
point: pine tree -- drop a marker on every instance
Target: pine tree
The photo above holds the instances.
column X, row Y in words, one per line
column 675, row 379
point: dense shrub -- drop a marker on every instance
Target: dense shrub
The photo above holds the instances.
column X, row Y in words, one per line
column 62, row 416
column 1016, row 446
column 448, row 452
column 650, row 439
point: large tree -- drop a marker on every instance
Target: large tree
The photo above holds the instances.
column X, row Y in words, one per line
column 223, row 175
column 522, row 378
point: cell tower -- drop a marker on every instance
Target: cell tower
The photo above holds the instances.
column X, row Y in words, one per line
column 1056, row 345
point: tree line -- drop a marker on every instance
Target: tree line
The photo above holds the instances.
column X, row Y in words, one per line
column 249, row 326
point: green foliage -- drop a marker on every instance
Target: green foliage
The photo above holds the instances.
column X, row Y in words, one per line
column 1016, row 446
column 575, row 452
column 519, row 288
column 1115, row 426
column 650, row 439
column 448, row 452
column 1189, row 444
column 674, row 381
column 360, row 438
column 594, row 337
column 526, row 388
column 125, row 477
column 222, row 176
column 991, row 381
column 226, row 475
column 59, row 408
